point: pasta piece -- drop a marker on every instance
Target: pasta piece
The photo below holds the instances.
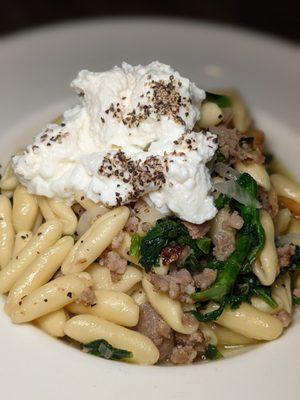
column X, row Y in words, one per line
column 7, row 193
column 241, row 116
column 123, row 249
column 65, row 214
column 38, row 223
column 250, row 322
column 7, row 233
column 139, row 296
column 188, row 307
column 95, row 209
column 25, row 209
column 294, row 227
column 21, row 240
column 266, row 266
column 162, row 269
column 102, row 279
column 53, row 323
column 86, row 276
column 282, row 221
column 9, row 180
column 58, row 209
column 53, row 296
column 292, row 205
column 296, row 281
column 84, row 223
column 45, row 208
column 48, row 234
column 281, row 292
column 87, row 328
column 257, row 171
column 286, row 188
column 95, row 240
column 170, row 310
column 146, row 215
column 113, row 306
column 227, row 337
column 211, row 115
column 39, row 272
column 209, row 334
column 261, row 305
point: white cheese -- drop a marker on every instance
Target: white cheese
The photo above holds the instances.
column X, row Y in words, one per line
column 130, row 136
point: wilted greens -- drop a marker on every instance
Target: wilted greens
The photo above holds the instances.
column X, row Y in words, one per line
column 101, row 348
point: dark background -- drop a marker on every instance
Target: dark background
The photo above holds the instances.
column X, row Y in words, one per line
column 276, row 18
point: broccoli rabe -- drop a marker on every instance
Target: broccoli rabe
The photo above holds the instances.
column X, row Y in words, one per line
column 101, row 348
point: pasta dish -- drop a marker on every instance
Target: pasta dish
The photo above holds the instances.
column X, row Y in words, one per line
column 149, row 224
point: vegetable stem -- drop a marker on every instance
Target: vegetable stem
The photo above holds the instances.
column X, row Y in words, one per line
column 227, row 276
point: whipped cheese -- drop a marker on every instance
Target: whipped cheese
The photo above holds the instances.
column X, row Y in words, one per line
column 131, row 136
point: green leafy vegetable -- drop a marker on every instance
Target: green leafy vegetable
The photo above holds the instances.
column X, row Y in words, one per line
column 135, row 246
column 212, row 353
column 221, row 100
column 228, row 274
column 101, row 348
column 250, row 215
column 246, row 286
column 168, row 232
column 296, row 256
column 249, row 242
column 158, row 238
column 263, row 294
column 222, row 201
column 296, row 300
column 192, row 263
column 204, row 244
column 215, row 264
column 213, row 315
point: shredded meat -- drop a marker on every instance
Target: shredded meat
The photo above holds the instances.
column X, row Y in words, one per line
column 179, row 284
column 133, row 222
column 197, row 231
column 87, row 297
column 235, row 146
column 132, row 225
column 145, row 227
column 269, row 201
column 285, row 317
column 154, row 327
column 174, row 347
column 223, row 234
column 117, row 240
column 205, row 278
column 285, row 254
column 114, row 263
column 224, row 245
column 235, row 221
column 171, row 253
column 187, row 348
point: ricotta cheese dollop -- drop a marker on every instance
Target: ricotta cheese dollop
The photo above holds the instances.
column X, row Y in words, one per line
column 131, row 136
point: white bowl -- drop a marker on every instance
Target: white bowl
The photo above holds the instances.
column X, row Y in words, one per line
column 35, row 71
